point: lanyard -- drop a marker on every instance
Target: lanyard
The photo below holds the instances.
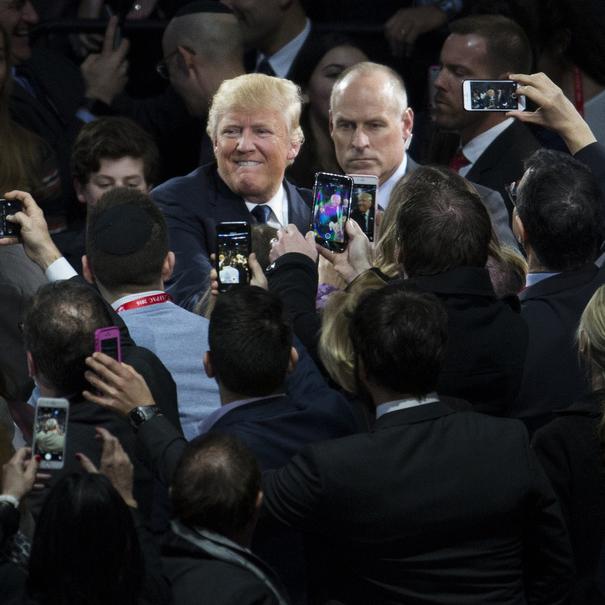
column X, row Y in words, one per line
column 145, row 301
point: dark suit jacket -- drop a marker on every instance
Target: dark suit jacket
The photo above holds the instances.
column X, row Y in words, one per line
column 593, row 156
column 432, row 507
column 553, row 376
column 192, row 205
column 487, row 339
column 19, row 280
column 571, row 454
column 502, row 162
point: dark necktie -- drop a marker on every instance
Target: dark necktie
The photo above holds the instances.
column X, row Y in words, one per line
column 264, row 67
column 261, row 213
column 458, row 161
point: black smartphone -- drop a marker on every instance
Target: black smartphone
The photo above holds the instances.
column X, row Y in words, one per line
column 492, row 95
column 8, row 229
column 232, row 251
column 363, row 202
column 331, row 204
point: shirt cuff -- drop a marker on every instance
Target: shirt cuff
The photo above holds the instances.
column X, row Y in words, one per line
column 60, row 269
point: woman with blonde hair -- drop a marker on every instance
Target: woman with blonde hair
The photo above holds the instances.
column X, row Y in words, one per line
column 572, row 451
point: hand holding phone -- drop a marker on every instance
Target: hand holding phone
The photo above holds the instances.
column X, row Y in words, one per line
column 50, row 431
column 331, row 205
column 492, row 95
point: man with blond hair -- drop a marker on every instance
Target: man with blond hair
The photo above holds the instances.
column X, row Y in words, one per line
column 254, row 127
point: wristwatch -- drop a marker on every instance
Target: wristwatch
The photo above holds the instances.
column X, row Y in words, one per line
column 142, row 413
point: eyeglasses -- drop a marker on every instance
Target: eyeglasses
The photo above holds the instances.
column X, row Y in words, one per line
column 162, row 65
column 512, row 190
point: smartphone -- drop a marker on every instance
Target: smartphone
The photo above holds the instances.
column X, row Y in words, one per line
column 107, row 340
column 117, row 37
column 492, row 95
column 363, row 202
column 50, row 431
column 232, row 251
column 331, row 204
column 8, row 229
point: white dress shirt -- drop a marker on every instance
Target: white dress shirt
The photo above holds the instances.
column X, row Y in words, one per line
column 282, row 60
column 403, row 404
column 279, row 208
column 384, row 190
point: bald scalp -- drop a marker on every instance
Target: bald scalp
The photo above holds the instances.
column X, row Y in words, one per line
column 212, row 36
column 389, row 83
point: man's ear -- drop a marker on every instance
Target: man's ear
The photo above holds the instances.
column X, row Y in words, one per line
column 87, row 270
column 293, row 150
column 208, row 365
column 519, row 229
column 79, row 188
column 293, row 360
column 185, row 59
column 31, row 365
column 407, row 123
column 168, row 266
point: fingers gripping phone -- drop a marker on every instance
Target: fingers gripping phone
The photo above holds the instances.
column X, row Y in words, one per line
column 8, row 229
column 492, row 95
column 107, row 340
column 232, row 251
column 331, row 204
column 363, row 202
column 50, row 431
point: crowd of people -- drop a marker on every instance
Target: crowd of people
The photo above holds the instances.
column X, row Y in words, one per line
column 415, row 417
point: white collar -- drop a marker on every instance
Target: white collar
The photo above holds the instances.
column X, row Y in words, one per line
column 282, row 60
column 384, row 191
column 279, row 208
column 476, row 146
column 402, row 404
column 116, row 304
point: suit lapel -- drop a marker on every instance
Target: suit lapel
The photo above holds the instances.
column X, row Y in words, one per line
column 299, row 211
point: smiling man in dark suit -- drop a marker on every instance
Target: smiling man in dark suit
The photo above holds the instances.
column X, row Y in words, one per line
column 254, row 127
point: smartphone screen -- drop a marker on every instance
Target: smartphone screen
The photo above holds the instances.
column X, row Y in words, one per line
column 363, row 203
column 492, row 95
column 50, row 431
column 107, row 340
column 8, row 229
column 232, row 251
column 331, row 203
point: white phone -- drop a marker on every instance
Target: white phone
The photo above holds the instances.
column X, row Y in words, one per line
column 50, row 431
column 492, row 95
column 363, row 202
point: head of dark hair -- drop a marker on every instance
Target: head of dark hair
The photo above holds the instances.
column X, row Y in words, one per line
column 508, row 48
column 250, row 341
column 559, row 203
column 58, row 331
column 112, row 266
column 322, row 45
column 112, row 138
column 400, row 336
column 442, row 225
column 86, row 537
column 216, row 485
column 572, row 33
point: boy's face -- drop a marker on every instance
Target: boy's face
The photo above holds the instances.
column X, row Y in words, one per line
column 124, row 172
